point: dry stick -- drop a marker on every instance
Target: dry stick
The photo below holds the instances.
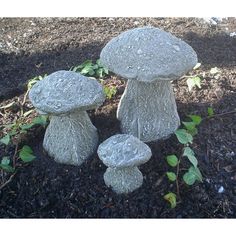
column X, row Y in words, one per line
column 14, row 156
column 177, row 175
column 8, row 181
column 221, row 114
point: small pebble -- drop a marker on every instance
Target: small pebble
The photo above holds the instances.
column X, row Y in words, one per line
column 232, row 34
column 221, row 189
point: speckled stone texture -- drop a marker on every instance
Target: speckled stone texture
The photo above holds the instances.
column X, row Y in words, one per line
column 149, row 58
column 65, row 95
column 66, row 91
column 148, row 54
column 148, row 110
column 122, row 153
column 71, row 138
column 123, row 180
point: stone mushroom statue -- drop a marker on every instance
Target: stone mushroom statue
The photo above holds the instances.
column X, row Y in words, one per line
column 150, row 59
column 122, row 153
column 65, row 95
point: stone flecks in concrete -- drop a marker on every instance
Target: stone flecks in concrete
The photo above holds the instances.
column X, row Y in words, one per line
column 122, row 154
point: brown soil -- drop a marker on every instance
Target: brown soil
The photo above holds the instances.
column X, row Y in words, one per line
column 35, row 46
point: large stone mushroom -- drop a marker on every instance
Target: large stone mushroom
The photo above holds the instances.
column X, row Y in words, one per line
column 122, row 153
column 65, row 95
column 149, row 58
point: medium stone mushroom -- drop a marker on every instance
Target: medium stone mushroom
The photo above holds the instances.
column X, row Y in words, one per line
column 65, row 95
column 122, row 153
column 150, row 59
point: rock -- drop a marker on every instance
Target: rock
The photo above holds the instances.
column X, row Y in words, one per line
column 149, row 58
column 122, row 153
column 70, row 137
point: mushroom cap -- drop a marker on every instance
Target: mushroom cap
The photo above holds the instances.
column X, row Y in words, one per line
column 148, row 54
column 123, row 150
column 66, row 91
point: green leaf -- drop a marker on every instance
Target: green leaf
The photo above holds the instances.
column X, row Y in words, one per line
column 26, row 126
column 171, row 176
column 210, row 111
column 6, row 139
column 172, row 160
column 12, row 132
column 7, row 106
column 192, row 175
column 5, row 161
column 26, row 154
column 191, row 127
column 196, row 119
column 7, row 168
column 183, row 136
column 189, row 178
column 171, row 198
column 197, row 173
column 110, row 91
column 40, row 120
column 193, row 81
column 189, row 153
column 5, row 164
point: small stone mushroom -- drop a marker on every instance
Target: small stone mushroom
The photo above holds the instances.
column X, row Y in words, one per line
column 65, row 95
column 149, row 58
column 122, row 153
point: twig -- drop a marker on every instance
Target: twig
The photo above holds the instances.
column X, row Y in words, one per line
column 8, row 181
column 14, row 156
column 220, row 114
column 177, row 175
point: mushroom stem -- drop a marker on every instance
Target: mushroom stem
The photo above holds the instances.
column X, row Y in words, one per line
column 71, row 138
column 123, row 180
column 148, row 110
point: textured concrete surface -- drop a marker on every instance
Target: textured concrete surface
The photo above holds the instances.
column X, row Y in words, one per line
column 148, row 54
column 123, row 150
column 66, row 91
column 149, row 58
column 123, row 180
column 71, row 138
column 148, row 110
column 122, row 154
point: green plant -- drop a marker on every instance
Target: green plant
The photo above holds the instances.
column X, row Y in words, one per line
column 88, row 68
column 193, row 174
column 30, row 84
column 19, row 127
column 5, row 164
column 210, row 111
column 26, row 154
column 194, row 80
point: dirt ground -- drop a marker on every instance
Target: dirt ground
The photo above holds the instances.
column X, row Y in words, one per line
column 46, row 189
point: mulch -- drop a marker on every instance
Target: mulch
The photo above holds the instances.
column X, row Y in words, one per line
column 46, row 189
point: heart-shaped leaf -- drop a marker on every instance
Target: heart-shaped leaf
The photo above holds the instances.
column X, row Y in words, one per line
column 183, row 136
column 26, row 154
column 188, row 152
column 171, row 176
column 6, row 139
column 171, row 198
column 172, row 160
